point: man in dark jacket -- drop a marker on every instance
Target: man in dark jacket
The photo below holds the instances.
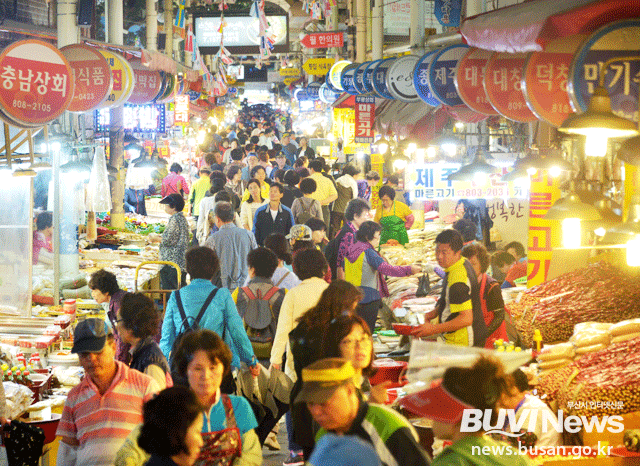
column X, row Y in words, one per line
column 273, row 217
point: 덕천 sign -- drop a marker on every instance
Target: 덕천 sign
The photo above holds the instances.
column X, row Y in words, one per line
column 442, row 73
column 313, row 91
column 400, row 79
column 37, row 82
column 318, row 66
column 365, row 116
column 617, row 39
column 503, row 83
column 123, row 81
column 470, row 81
column 92, row 77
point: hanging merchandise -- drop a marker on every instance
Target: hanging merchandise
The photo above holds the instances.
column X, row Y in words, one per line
column 316, row 9
column 98, row 191
column 266, row 39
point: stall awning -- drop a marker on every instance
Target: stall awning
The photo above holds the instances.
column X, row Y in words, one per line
column 529, row 26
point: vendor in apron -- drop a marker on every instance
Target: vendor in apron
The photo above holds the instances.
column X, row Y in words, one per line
column 394, row 217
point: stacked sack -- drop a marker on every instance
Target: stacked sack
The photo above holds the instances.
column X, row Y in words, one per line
column 589, row 337
column 625, row 330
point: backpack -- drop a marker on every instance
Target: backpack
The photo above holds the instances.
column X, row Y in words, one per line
column 331, row 251
column 186, row 327
column 306, row 213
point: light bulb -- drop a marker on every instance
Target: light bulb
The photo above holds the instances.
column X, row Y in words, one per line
column 449, row 149
column 480, row 178
column 600, row 231
column 531, row 171
column 571, row 233
column 459, row 125
column 55, row 146
column 420, row 156
column 201, row 135
column 331, row 137
column 400, row 164
column 411, row 148
column 633, row 252
column 431, row 152
column 555, row 171
column 596, row 145
column 360, row 155
column 382, row 148
column 192, row 141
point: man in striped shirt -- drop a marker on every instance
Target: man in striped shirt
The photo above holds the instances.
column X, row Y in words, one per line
column 104, row 408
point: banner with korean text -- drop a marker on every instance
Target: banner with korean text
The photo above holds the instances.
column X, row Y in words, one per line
column 364, row 118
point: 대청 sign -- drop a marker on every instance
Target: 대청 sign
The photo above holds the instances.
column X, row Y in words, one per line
column 421, row 79
column 400, row 79
column 617, row 39
column 545, row 80
column 36, row 82
column 470, row 81
column 123, row 80
column 92, row 77
column 365, row 116
column 442, row 73
column 380, row 78
column 503, row 84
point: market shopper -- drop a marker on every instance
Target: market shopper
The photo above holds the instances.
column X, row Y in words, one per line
column 372, row 178
column 220, row 316
column 258, row 173
column 305, row 150
column 284, row 274
column 357, row 212
column 467, row 229
column 171, row 429
column 306, row 207
column 272, row 217
column 365, row 268
column 174, row 182
column 249, row 207
column 42, row 240
column 493, row 309
column 394, row 216
column 174, row 243
column 332, row 398
column 326, row 192
column 199, row 190
column 501, row 262
column 252, row 162
column 347, row 188
column 105, row 289
column 281, row 164
column 135, row 200
column 517, row 270
column 478, row 387
column 458, row 310
column 234, row 186
column 291, row 190
column 104, row 408
column 137, row 323
column 318, row 232
column 231, row 244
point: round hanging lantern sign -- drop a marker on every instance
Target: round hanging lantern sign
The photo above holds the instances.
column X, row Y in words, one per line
column 336, row 71
column 300, row 94
column 470, row 81
column 347, row 78
column 326, row 95
column 92, row 77
column 358, row 77
column 367, row 79
column 442, row 73
column 327, row 81
column 123, row 80
column 400, row 79
column 503, row 83
column 313, row 91
column 617, row 39
column 147, row 84
column 167, row 95
column 380, row 79
column 545, row 80
column 421, row 79
column 36, row 83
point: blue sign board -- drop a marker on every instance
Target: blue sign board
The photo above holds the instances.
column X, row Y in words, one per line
column 442, row 74
column 313, row 91
column 347, row 78
column 327, row 95
column 358, row 78
column 367, row 81
column 380, row 78
column 421, row 79
column 327, row 81
column 447, row 12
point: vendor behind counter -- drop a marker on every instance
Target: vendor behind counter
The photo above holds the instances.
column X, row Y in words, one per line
column 394, row 216
column 42, row 244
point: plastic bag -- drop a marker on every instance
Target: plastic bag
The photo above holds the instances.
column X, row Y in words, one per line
column 424, row 286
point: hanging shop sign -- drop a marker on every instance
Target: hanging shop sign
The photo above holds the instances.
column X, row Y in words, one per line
column 169, row 89
column 544, row 235
column 618, row 39
column 123, row 81
column 545, row 80
column 313, row 91
column 336, row 71
column 92, row 77
column 146, row 87
column 397, row 18
column 358, row 78
column 421, row 79
column 503, row 84
column 429, row 181
column 148, row 118
column 470, row 81
column 442, row 73
column 289, row 72
column 400, row 79
column 364, row 118
column 181, row 110
column 447, row 12
column 318, row 66
column 37, row 83
column 290, row 81
column 347, row 78
column 380, row 78
column 367, row 79
column 321, row 40
column 326, row 95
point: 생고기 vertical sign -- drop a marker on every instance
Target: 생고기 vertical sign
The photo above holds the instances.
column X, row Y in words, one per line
column 364, row 118
column 181, row 110
column 544, row 235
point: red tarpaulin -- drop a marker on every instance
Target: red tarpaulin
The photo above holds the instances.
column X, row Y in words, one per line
column 529, row 26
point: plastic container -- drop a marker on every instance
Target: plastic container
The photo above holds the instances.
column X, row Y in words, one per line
column 69, row 306
column 387, row 369
column 49, row 427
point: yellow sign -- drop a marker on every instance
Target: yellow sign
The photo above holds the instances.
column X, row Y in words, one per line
column 289, row 72
column 544, row 235
column 289, row 81
column 318, row 66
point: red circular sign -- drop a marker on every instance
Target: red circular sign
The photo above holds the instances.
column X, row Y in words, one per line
column 147, row 84
column 503, row 84
column 36, row 82
column 92, row 77
column 469, row 81
column 545, row 80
